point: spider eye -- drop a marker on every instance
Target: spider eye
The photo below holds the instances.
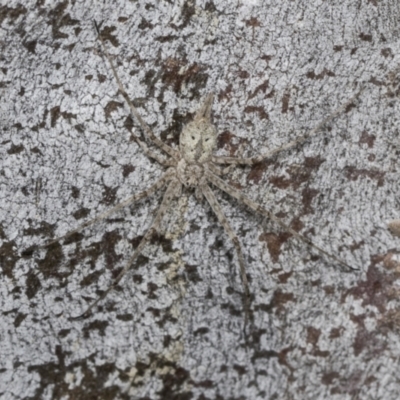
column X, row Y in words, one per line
column 192, row 137
column 207, row 139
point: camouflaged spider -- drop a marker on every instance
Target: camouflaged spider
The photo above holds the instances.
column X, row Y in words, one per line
column 193, row 165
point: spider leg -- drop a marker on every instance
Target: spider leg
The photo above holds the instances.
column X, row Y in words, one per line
column 227, row 170
column 171, row 192
column 217, row 170
column 218, row 182
column 136, row 197
column 293, row 143
column 151, row 154
column 169, row 150
column 216, row 207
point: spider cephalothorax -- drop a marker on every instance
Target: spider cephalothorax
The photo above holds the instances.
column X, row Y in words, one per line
column 196, row 144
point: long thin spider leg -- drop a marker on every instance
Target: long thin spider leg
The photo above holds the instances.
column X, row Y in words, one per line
column 218, row 182
column 171, row 192
column 220, row 171
column 216, row 169
column 216, row 207
column 169, row 150
column 151, row 154
column 136, row 197
column 301, row 139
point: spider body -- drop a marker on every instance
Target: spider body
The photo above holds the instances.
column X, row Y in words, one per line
column 193, row 165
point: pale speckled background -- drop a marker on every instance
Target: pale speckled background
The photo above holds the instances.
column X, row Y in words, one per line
column 174, row 328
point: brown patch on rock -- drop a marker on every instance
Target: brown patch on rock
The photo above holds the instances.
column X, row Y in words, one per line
column 59, row 19
column 11, row 13
column 109, row 195
column 224, row 141
column 260, row 88
column 30, row 45
column 101, row 78
column 299, row 175
column 242, row 74
column 274, row 243
column 253, row 22
column 106, row 34
column 285, row 102
column 177, row 73
column 280, row 182
column 325, row 72
column 127, row 169
column 367, row 139
column 336, row 332
column 308, row 195
column 366, row 340
column 256, row 172
column 225, row 94
column 313, row 335
column 15, row 149
column 329, row 289
column 81, row 213
column 284, row 277
column 353, row 173
column 365, row 37
column 390, row 322
column 111, row 106
column 55, row 114
column 329, row 377
column 279, row 300
column 387, row 52
column 144, row 24
column 376, row 290
column 262, row 114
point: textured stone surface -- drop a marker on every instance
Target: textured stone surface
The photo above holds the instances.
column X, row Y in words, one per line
column 173, row 330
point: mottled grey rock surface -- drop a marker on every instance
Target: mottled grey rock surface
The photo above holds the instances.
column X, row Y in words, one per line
column 173, row 329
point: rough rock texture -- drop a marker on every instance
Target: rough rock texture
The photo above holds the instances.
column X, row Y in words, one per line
column 173, row 329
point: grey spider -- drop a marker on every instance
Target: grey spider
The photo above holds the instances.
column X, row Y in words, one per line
column 194, row 166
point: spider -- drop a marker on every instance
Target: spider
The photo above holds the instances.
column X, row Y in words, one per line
column 194, row 166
